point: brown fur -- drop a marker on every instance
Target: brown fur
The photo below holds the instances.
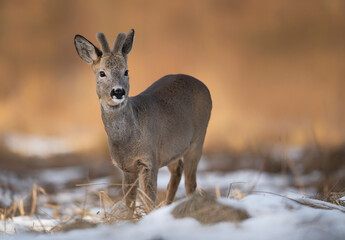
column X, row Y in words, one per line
column 163, row 126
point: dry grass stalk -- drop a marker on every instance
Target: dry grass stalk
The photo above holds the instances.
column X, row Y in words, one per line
column 104, row 200
column 21, row 207
column 34, row 200
column 238, row 194
column 130, row 189
column 150, row 206
column 5, row 220
column 161, row 204
column 84, row 203
column 112, row 212
column 298, row 178
column 60, row 225
column 200, row 191
column 42, row 190
column 56, row 209
column 122, row 217
column 261, row 170
column 118, row 210
column 97, row 184
column 230, row 192
column 107, row 198
column 293, row 168
column 39, row 220
column 334, row 198
column 218, row 195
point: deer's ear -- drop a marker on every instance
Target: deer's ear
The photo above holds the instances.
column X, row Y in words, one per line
column 86, row 50
column 127, row 46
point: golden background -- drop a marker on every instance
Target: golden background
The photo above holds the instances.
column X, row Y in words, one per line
column 275, row 69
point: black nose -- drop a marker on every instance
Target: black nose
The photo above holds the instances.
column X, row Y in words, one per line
column 118, row 93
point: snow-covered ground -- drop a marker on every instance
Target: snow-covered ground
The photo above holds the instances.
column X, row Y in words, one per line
column 276, row 209
column 272, row 217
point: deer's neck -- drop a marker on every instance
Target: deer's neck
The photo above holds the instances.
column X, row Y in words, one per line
column 120, row 124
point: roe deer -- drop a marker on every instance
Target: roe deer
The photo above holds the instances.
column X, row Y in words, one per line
column 159, row 127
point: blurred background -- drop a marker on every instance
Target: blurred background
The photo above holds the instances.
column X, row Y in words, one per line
column 275, row 70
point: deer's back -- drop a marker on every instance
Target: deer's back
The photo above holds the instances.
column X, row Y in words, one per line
column 181, row 96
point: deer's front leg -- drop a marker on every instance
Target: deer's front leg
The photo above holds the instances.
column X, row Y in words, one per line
column 148, row 181
column 129, row 187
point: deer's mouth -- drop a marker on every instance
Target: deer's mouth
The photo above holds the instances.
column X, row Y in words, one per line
column 111, row 102
column 118, row 101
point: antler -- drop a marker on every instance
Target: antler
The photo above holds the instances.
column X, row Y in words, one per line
column 118, row 44
column 103, row 42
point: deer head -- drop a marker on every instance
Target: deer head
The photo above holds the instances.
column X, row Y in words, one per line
column 109, row 66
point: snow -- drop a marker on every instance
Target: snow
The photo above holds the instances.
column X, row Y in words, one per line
column 24, row 223
column 245, row 180
column 272, row 217
column 276, row 209
column 33, row 145
column 62, row 176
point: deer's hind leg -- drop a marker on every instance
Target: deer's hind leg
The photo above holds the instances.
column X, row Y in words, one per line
column 176, row 169
column 191, row 160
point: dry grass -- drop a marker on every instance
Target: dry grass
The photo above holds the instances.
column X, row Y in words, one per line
column 110, row 211
column 334, row 198
column 17, row 208
column 207, row 210
column 200, row 206
column 29, row 206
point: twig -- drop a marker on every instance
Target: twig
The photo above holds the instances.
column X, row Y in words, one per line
column 45, row 213
column 97, row 184
column 39, row 220
column 301, row 202
column 130, row 189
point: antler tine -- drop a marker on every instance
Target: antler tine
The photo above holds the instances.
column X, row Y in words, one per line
column 118, row 44
column 103, row 42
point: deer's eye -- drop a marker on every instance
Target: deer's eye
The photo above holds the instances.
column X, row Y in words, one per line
column 126, row 73
column 102, row 74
